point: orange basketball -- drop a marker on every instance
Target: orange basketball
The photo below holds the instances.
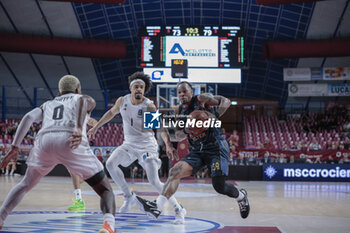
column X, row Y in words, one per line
column 200, row 117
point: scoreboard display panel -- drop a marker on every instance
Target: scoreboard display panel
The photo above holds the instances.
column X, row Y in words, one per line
column 209, row 50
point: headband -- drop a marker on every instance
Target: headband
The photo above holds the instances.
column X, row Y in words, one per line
column 137, row 80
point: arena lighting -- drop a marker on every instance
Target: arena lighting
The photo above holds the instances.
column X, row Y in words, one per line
column 91, row 1
column 234, row 102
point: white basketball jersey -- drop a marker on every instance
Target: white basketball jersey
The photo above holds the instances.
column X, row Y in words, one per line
column 132, row 116
column 61, row 115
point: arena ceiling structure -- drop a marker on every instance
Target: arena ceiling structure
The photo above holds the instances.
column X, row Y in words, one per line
column 262, row 20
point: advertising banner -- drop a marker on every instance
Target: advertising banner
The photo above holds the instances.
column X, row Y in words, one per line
column 316, row 73
column 315, row 89
column 306, row 172
column 342, row 89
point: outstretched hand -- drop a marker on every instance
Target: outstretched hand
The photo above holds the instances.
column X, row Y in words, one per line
column 172, row 153
column 11, row 154
column 91, row 133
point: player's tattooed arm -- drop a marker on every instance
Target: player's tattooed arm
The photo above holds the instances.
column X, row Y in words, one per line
column 206, row 99
column 225, row 103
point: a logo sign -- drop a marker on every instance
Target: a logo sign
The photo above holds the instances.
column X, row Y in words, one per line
column 307, row 172
column 270, row 171
column 151, row 120
column 177, row 49
column 157, row 74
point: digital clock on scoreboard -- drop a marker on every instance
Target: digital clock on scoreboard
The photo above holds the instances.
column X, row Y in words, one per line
column 210, row 49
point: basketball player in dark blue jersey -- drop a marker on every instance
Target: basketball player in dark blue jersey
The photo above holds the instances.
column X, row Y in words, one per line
column 208, row 148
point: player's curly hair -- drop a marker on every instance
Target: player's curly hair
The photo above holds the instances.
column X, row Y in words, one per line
column 144, row 77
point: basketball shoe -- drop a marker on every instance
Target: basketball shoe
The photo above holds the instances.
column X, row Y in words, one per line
column 243, row 204
column 149, row 207
column 128, row 202
column 180, row 215
column 106, row 228
column 78, row 205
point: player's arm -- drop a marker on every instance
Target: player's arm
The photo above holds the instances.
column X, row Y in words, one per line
column 92, row 122
column 35, row 115
column 107, row 116
column 170, row 150
column 222, row 103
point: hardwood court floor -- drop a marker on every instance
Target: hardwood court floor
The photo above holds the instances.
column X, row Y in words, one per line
column 275, row 207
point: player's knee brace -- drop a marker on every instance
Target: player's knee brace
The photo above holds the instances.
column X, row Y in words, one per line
column 96, row 179
column 219, row 184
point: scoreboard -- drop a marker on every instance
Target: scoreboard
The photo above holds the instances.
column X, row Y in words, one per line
column 209, row 50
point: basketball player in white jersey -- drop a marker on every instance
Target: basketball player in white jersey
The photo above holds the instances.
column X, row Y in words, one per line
column 61, row 140
column 138, row 143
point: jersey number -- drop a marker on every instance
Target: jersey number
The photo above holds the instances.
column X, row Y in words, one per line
column 58, row 112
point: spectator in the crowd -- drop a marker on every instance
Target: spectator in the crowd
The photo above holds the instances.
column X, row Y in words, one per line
column 234, row 138
column 233, row 154
column 308, row 159
column 314, row 145
column 291, row 159
column 345, row 159
column 266, row 158
column 331, row 160
column 318, row 159
column 282, row 158
column 301, row 159
column 241, row 160
column 251, row 159
column 98, row 154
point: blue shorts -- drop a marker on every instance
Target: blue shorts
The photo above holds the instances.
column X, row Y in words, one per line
column 216, row 159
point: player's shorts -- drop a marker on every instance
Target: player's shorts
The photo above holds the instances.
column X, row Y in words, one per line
column 133, row 153
column 52, row 148
column 216, row 159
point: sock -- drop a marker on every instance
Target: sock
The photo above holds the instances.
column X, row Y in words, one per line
column 161, row 200
column 174, row 203
column 110, row 220
column 77, row 193
column 7, row 172
column 240, row 196
column 12, row 171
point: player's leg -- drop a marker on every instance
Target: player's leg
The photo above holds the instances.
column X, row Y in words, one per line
column 30, row 179
column 99, row 182
column 13, row 168
column 180, row 170
column 219, row 172
column 151, row 166
column 121, row 156
column 78, row 203
column 88, row 167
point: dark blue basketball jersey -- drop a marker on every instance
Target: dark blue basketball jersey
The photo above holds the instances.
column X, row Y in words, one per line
column 207, row 140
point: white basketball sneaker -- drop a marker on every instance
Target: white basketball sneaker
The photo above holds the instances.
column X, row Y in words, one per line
column 128, row 202
column 180, row 215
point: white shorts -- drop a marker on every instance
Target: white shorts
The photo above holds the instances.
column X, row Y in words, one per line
column 52, row 148
column 142, row 155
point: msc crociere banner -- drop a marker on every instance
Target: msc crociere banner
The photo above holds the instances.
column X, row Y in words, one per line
column 306, row 172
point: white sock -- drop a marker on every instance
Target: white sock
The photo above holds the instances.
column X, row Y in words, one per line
column 174, row 203
column 110, row 220
column 12, row 171
column 161, row 200
column 240, row 196
column 77, row 193
column 7, row 172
